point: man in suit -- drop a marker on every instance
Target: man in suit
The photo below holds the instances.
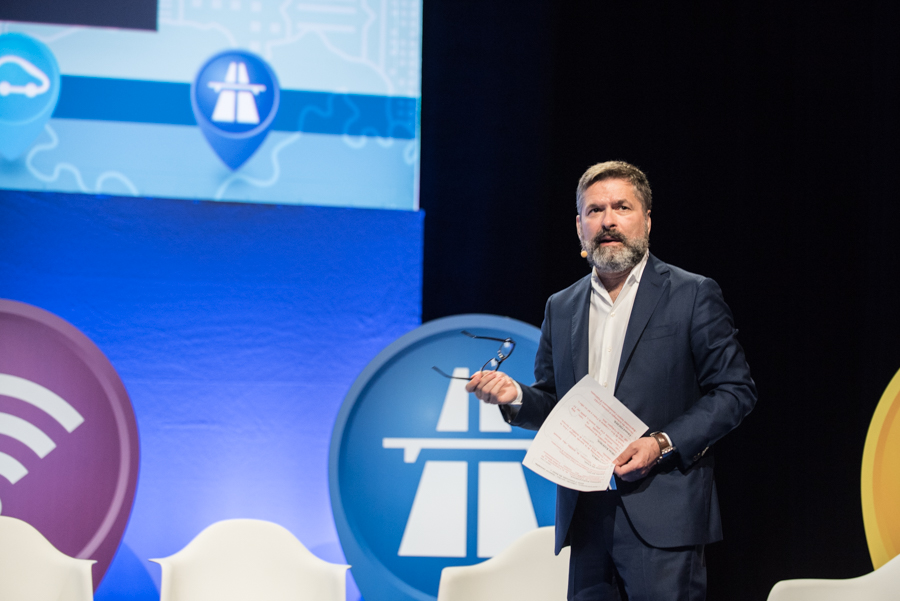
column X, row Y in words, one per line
column 664, row 340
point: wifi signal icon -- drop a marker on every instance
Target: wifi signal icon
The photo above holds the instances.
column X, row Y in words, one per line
column 26, row 433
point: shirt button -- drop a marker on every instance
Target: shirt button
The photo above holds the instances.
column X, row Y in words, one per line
column 604, row 385
column 609, row 349
column 613, row 314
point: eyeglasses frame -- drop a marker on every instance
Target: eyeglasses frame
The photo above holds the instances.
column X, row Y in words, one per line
column 499, row 359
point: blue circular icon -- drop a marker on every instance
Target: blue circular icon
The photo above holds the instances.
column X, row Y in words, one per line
column 29, row 90
column 235, row 98
column 424, row 476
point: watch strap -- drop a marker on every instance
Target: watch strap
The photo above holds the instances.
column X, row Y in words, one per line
column 666, row 447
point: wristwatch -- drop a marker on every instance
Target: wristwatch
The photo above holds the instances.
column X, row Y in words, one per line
column 665, row 445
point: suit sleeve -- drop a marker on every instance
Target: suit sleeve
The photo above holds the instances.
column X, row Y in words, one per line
column 728, row 392
column 539, row 399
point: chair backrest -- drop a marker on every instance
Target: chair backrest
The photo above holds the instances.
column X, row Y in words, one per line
column 881, row 585
column 525, row 570
column 235, row 560
column 32, row 569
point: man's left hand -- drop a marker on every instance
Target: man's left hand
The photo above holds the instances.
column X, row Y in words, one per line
column 637, row 459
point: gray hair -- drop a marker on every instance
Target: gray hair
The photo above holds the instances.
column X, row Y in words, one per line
column 615, row 170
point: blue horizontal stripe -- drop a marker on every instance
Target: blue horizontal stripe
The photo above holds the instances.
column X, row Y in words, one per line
column 169, row 103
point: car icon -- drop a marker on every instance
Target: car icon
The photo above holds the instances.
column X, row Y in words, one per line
column 30, row 89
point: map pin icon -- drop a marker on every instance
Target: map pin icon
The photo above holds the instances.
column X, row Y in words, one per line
column 235, row 98
column 29, row 89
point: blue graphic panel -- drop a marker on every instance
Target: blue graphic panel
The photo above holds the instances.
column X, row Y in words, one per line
column 237, row 330
column 349, row 81
column 422, row 475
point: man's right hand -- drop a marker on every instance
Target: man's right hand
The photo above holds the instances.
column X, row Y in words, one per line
column 493, row 387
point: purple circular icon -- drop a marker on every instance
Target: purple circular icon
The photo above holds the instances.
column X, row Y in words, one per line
column 68, row 438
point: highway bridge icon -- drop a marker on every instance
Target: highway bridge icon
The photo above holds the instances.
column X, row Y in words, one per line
column 437, row 524
column 29, row 89
column 236, row 103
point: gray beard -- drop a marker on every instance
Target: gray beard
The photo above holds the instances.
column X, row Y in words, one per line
column 616, row 260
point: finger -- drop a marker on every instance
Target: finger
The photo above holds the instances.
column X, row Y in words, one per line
column 495, row 382
column 493, row 389
column 489, row 379
column 626, row 455
column 473, row 382
column 484, row 378
column 632, row 471
column 637, row 459
column 486, row 385
column 639, row 463
column 624, row 470
column 503, row 393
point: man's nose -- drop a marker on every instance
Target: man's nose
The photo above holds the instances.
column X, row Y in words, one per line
column 609, row 220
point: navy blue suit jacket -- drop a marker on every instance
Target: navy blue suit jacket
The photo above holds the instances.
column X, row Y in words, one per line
column 682, row 372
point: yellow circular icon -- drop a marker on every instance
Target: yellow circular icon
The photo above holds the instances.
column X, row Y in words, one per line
column 881, row 478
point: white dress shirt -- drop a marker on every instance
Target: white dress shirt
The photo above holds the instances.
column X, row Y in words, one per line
column 607, row 324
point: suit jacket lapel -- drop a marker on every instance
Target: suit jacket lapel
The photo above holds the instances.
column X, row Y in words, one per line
column 653, row 282
column 580, row 324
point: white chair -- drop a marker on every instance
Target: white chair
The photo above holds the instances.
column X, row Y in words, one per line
column 236, row 560
column 32, row 569
column 881, row 585
column 525, row 570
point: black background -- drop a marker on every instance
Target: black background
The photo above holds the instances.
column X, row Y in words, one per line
column 130, row 14
column 769, row 132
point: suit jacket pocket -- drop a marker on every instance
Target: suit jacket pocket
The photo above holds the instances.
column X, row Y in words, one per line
column 655, row 332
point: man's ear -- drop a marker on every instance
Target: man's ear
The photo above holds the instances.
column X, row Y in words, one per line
column 648, row 222
column 578, row 225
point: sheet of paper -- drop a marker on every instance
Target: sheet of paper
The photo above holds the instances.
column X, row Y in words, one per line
column 581, row 437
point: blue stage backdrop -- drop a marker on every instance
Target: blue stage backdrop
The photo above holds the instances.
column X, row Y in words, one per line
column 237, row 329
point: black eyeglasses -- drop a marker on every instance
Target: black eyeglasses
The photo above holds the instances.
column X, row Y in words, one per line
column 507, row 345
